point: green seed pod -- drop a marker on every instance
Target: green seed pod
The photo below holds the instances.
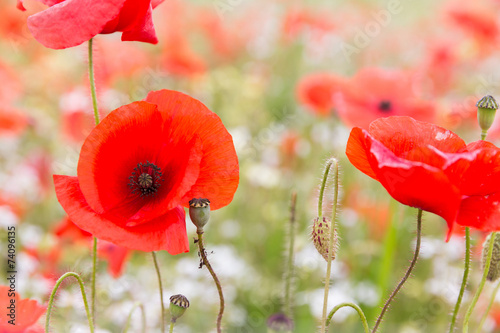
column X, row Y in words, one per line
column 279, row 322
column 321, row 237
column 199, row 212
column 494, row 272
column 486, row 109
column 178, row 305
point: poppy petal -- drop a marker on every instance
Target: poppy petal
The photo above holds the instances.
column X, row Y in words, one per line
column 219, row 170
column 57, row 28
column 480, row 212
column 142, row 30
column 167, row 232
column 357, row 151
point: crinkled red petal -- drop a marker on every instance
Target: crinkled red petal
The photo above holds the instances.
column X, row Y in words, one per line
column 142, row 30
column 480, row 212
column 357, row 151
column 72, row 22
column 27, row 312
column 219, row 170
column 167, row 232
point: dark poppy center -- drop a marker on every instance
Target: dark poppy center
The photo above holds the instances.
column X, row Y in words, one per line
column 145, row 179
column 385, row 106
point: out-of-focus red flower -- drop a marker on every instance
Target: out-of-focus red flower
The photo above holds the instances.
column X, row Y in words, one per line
column 374, row 92
column 26, row 314
column 48, row 261
column 425, row 166
column 300, row 20
column 69, row 23
column 180, row 59
column 116, row 256
column 142, row 164
column 317, row 91
column 12, row 122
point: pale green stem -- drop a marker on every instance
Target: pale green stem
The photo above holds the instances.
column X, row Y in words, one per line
column 94, row 269
column 322, row 189
column 332, row 235
column 171, row 330
column 481, row 284
column 355, row 307
column 143, row 312
column 289, row 273
column 157, row 267
column 464, row 279
column 485, row 315
column 407, row 274
column 53, row 294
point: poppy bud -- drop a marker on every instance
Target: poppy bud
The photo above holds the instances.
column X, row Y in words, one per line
column 321, row 237
column 486, row 109
column 279, row 322
column 494, row 272
column 178, row 305
column 199, row 212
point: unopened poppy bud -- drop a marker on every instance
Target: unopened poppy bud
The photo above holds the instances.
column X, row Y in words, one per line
column 178, row 305
column 494, row 272
column 486, row 109
column 199, row 212
column 321, row 237
column 279, row 322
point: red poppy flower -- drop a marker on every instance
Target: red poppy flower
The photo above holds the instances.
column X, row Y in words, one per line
column 27, row 313
column 425, row 166
column 142, row 164
column 316, row 91
column 69, row 23
column 373, row 93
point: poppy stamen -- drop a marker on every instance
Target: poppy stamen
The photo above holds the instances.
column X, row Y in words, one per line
column 145, row 179
column 385, row 106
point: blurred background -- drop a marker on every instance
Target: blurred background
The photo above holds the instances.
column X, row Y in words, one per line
column 289, row 80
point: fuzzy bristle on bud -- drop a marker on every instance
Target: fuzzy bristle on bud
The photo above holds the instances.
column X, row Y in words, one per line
column 321, row 237
column 494, row 272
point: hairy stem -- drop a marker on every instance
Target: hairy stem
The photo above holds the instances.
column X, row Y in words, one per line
column 407, row 274
column 289, row 272
column 157, row 267
column 355, row 307
column 332, row 237
column 464, row 279
column 481, row 284
column 206, row 263
column 485, row 315
column 84, row 296
column 322, row 188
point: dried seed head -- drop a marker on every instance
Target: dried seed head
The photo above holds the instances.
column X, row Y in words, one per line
column 178, row 305
column 321, row 237
column 279, row 322
column 494, row 272
column 486, row 109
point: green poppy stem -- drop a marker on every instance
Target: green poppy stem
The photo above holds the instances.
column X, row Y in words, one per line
column 485, row 315
column 206, row 263
column 171, row 330
column 355, row 307
column 289, row 272
column 407, row 274
column 129, row 318
column 464, row 279
column 481, row 284
column 322, row 189
column 332, row 233
column 157, row 267
column 84, row 296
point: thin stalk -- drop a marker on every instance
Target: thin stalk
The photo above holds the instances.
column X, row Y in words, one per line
column 407, row 274
column 129, row 318
column 322, row 189
column 96, row 117
column 355, row 307
column 171, row 330
column 203, row 254
column 464, row 279
column 332, row 236
column 485, row 315
column 157, row 267
column 481, row 284
column 289, row 273
column 84, row 296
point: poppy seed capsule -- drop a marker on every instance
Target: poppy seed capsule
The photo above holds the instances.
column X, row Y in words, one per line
column 494, row 272
column 486, row 109
column 178, row 305
column 199, row 212
column 279, row 322
column 321, row 237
